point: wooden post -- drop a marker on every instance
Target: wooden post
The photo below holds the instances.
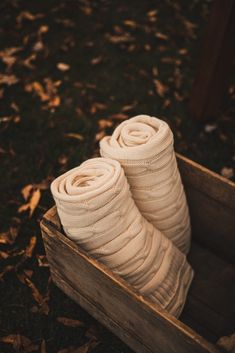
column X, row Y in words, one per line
column 216, row 62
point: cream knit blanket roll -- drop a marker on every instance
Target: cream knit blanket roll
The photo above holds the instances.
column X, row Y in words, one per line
column 144, row 147
column 97, row 211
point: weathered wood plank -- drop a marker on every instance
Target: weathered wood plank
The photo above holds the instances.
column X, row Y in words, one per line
column 117, row 305
column 211, row 303
column 206, row 181
column 211, row 200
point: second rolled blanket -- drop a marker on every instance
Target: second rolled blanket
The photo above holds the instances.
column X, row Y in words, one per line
column 144, row 147
column 97, row 211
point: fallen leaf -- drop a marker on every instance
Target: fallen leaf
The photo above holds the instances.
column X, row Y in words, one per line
column 47, row 94
column 32, row 204
column 44, row 308
column 4, row 255
column 162, row 36
column 155, row 71
column 210, row 127
column 74, row 135
column 8, row 56
column 128, row 107
column 152, row 13
column 130, row 23
column 97, row 60
column 227, row 172
column 183, row 51
column 70, row 322
column 63, row 159
column 8, row 80
column 99, row 136
column 119, row 116
column 30, row 248
column 104, row 123
column 160, row 88
column 19, row 343
column 38, row 46
column 97, row 106
column 26, row 15
column 63, row 67
column 43, row 29
column 87, row 10
column 117, row 39
column 28, row 61
column 26, row 191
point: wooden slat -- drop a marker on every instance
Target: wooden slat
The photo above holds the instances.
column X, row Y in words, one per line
column 141, row 325
column 211, row 200
column 211, row 304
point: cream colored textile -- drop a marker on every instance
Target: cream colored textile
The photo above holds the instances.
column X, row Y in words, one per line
column 97, row 211
column 144, row 147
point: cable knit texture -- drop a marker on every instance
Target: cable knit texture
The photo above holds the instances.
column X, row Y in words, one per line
column 144, row 147
column 97, row 211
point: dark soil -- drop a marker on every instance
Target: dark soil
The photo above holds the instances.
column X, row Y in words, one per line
column 69, row 72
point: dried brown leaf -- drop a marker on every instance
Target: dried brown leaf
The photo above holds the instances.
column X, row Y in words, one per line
column 26, row 191
column 160, row 88
column 8, row 80
column 130, row 23
column 99, row 136
column 161, row 36
column 34, row 200
column 4, row 255
column 70, row 322
column 28, row 61
column 26, row 15
column 117, row 39
column 128, row 107
column 87, row 10
column 104, row 123
column 20, row 343
column 118, row 116
column 74, row 136
column 30, row 248
column 63, row 67
column 44, row 308
column 152, row 13
column 97, row 60
column 96, row 106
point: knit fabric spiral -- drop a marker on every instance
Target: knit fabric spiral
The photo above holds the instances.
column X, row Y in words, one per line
column 97, row 212
column 144, row 147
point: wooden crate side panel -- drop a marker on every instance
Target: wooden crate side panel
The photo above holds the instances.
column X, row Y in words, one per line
column 211, row 201
column 114, row 299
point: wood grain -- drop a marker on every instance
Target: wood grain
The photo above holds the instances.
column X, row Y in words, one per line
column 210, row 307
column 117, row 305
column 211, row 200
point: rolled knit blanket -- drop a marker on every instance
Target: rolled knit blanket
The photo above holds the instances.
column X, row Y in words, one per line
column 97, row 212
column 144, row 147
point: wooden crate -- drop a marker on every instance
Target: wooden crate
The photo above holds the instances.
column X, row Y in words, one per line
column 209, row 312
